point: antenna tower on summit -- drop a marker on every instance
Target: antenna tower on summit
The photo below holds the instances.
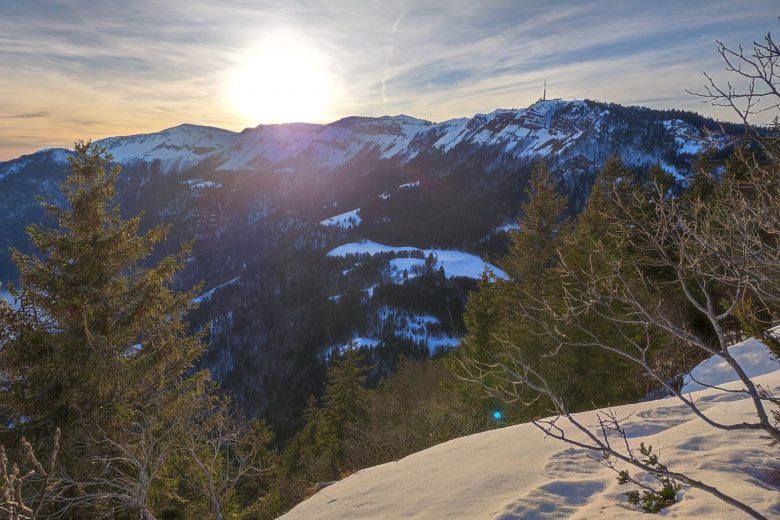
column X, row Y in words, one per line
column 544, row 94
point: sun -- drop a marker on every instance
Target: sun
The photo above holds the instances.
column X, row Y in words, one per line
column 284, row 78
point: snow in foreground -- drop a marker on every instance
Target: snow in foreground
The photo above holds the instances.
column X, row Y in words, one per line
column 752, row 355
column 515, row 473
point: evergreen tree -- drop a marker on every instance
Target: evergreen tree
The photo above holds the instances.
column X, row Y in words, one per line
column 97, row 332
column 500, row 331
column 703, row 180
column 509, row 321
column 533, row 246
column 316, row 453
column 99, row 347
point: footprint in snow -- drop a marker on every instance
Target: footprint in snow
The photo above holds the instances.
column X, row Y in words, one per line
column 571, row 462
column 554, row 500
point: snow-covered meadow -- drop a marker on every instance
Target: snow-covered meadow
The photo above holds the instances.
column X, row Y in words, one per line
column 455, row 263
column 517, row 473
column 419, row 328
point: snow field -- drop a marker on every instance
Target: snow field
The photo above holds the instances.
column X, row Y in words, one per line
column 515, row 473
column 455, row 263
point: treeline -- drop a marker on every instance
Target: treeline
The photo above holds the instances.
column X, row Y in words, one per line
column 352, row 428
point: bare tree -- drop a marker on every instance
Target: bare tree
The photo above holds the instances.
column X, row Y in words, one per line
column 721, row 255
column 224, row 449
column 758, row 69
column 123, row 467
column 16, row 501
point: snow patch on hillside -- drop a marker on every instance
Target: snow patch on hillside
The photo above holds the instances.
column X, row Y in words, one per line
column 367, row 247
column 346, row 220
column 686, row 137
column 201, row 184
column 458, row 263
column 455, row 263
column 208, row 294
column 422, row 329
column 355, row 343
column 506, row 228
column 406, row 268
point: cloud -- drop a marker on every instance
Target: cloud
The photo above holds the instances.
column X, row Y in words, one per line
column 30, row 115
column 106, row 68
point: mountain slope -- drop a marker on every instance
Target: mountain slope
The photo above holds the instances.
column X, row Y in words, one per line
column 515, row 473
column 551, row 128
column 265, row 206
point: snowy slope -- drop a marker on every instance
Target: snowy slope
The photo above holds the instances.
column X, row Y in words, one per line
column 752, row 355
column 346, row 220
column 54, row 156
column 556, row 129
column 208, row 294
column 177, row 148
column 422, row 329
column 515, row 473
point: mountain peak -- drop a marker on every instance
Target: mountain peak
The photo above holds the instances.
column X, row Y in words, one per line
column 548, row 127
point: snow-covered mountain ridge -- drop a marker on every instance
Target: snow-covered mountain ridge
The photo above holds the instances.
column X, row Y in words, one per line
column 264, row 207
column 546, row 128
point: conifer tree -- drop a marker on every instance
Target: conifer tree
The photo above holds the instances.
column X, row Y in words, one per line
column 509, row 322
column 98, row 330
column 533, row 247
column 499, row 330
column 599, row 227
column 702, row 180
column 316, row 453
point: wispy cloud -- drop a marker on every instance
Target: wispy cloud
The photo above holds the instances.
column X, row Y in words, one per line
column 30, row 115
column 94, row 68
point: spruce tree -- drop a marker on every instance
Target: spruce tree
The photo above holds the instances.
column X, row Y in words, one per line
column 509, row 321
column 99, row 330
column 533, row 246
column 316, row 453
column 702, row 181
column 599, row 228
column 501, row 331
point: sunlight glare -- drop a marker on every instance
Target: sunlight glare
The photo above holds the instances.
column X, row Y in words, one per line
column 282, row 79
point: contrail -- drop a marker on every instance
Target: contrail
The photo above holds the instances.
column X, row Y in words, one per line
column 387, row 75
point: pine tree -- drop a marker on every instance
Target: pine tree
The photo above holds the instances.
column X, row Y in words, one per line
column 98, row 331
column 533, row 246
column 703, row 180
column 316, row 453
column 500, row 330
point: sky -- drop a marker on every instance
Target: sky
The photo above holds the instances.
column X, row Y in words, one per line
column 95, row 68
